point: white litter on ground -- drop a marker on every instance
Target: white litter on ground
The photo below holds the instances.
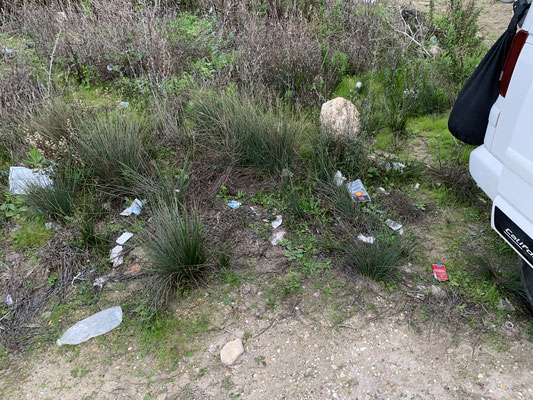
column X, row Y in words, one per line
column 124, row 237
column 134, row 208
column 115, row 255
column 277, row 237
column 395, row 226
column 338, row 178
column 366, row 239
column 21, row 177
column 277, row 222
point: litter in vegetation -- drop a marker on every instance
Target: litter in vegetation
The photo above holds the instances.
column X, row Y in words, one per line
column 6, row 51
column 286, row 173
column 234, row 204
column 124, row 104
column 124, row 237
column 99, row 282
column 382, row 190
column 134, row 208
column 366, row 239
column 277, row 237
column 277, row 222
column 439, row 272
column 115, row 256
column 509, row 325
column 395, row 226
column 359, row 85
column 358, row 191
column 9, row 300
column 416, row 186
column 95, row 325
column 21, row 177
column 339, row 178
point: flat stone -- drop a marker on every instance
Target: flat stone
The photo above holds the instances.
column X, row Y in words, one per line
column 231, row 351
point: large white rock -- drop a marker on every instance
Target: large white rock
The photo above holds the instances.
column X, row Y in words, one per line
column 339, row 117
column 231, row 351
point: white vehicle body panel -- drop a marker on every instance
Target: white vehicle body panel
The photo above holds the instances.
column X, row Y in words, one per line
column 503, row 165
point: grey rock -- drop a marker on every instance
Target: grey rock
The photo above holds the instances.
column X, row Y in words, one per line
column 231, row 352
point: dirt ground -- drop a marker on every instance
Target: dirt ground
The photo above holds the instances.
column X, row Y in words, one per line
column 381, row 350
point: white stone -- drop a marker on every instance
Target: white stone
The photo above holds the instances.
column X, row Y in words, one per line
column 231, row 351
column 340, row 118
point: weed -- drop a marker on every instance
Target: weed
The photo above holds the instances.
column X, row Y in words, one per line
column 13, row 207
column 176, row 250
column 378, row 260
column 55, row 201
column 31, row 233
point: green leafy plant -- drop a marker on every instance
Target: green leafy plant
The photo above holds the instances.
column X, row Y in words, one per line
column 13, row 206
column 35, row 158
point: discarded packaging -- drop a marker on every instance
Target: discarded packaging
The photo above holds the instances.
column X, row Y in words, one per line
column 358, row 191
column 359, row 85
column 134, row 208
column 115, row 256
column 234, row 204
column 416, row 186
column 277, row 222
column 124, row 237
column 99, row 282
column 509, row 325
column 366, row 239
column 9, row 300
column 6, row 51
column 338, row 178
column 277, row 237
column 109, row 68
column 439, row 272
column 382, row 190
column 124, row 104
column 21, row 177
column 395, row 226
column 95, row 325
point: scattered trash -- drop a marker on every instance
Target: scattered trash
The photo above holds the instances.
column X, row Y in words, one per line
column 134, row 208
column 277, row 237
column 416, row 186
column 366, row 239
column 124, row 104
column 509, row 325
column 48, row 226
column 358, row 191
column 277, row 222
column 109, row 68
column 359, row 85
column 505, row 305
column 398, row 166
column 115, row 255
column 30, row 44
column 20, row 177
column 133, row 270
column 338, row 178
column 6, row 51
column 234, row 204
column 254, row 211
column 99, row 282
column 382, row 190
column 433, row 40
column 9, row 300
column 395, row 226
column 124, row 237
column 439, row 272
column 420, row 296
column 286, row 173
column 95, row 325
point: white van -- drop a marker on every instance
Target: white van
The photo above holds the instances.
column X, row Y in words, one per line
column 503, row 165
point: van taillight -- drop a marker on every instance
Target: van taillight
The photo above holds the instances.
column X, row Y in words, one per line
column 508, row 68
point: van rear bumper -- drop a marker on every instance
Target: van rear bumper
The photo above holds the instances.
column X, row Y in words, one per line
column 486, row 171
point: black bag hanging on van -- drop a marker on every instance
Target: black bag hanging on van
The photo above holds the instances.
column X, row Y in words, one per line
column 470, row 114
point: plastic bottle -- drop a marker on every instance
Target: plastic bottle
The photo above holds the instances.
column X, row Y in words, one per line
column 95, row 325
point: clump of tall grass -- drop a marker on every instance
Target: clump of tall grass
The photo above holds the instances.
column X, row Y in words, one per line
column 111, row 145
column 378, row 260
column 242, row 132
column 176, row 250
column 54, row 201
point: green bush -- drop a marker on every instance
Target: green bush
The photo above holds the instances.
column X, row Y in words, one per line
column 31, row 233
column 379, row 260
column 242, row 132
column 111, row 145
column 176, row 250
column 54, row 201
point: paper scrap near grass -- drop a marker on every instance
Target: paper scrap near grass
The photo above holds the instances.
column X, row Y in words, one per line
column 124, row 237
column 9, row 300
column 358, row 191
column 439, row 272
column 21, row 177
column 395, row 226
column 366, row 239
column 115, row 256
column 95, row 325
column 277, row 237
column 338, row 178
column 134, row 208
column 277, row 222
column 234, row 204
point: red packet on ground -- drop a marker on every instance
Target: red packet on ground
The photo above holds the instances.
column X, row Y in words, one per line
column 439, row 272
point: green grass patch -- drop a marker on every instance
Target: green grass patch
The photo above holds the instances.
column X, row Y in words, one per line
column 31, row 233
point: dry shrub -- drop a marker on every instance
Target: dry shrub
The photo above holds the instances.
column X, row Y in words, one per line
column 108, row 40
column 456, row 178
